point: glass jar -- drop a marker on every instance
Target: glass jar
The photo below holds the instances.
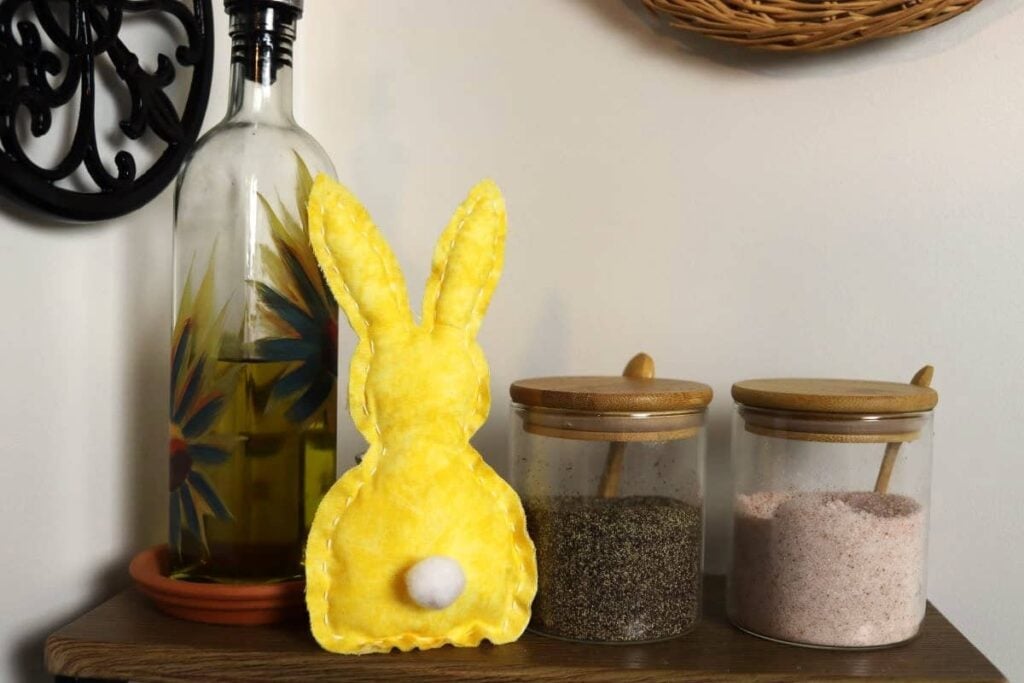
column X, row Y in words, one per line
column 611, row 474
column 830, row 510
column 254, row 351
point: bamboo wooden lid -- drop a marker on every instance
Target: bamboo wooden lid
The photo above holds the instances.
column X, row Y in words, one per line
column 838, row 396
column 611, row 394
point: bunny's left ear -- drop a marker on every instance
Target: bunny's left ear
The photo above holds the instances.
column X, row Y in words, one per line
column 356, row 261
column 467, row 262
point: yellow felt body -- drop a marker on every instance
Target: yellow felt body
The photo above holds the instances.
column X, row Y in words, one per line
column 417, row 393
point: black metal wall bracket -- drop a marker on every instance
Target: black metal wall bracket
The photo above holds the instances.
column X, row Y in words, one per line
column 40, row 76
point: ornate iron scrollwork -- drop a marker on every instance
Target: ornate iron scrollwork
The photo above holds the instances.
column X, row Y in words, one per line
column 35, row 78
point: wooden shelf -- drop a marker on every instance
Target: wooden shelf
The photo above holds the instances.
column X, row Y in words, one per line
column 126, row 638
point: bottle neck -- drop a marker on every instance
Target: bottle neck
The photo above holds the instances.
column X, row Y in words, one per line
column 261, row 64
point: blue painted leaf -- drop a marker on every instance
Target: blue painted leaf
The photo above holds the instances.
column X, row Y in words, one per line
column 310, row 296
column 329, row 305
column 207, row 454
column 286, row 349
column 174, row 522
column 203, row 419
column 191, row 516
column 311, row 400
column 193, row 382
column 178, row 360
column 299, row 378
column 286, row 310
column 205, row 489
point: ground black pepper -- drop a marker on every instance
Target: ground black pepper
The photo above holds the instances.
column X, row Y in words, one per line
column 615, row 569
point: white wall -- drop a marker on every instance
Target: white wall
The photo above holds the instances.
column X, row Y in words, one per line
column 856, row 214
column 86, row 314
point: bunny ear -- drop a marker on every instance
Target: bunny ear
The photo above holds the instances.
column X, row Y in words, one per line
column 356, row 260
column 467, row 262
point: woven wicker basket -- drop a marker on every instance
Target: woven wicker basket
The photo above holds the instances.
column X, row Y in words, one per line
column 805, row 25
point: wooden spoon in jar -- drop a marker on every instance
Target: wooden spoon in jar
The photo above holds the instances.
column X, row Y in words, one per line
column 923, row 378
column 640, row 366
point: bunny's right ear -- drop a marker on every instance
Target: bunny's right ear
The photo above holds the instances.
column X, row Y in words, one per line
column 467, row 262
column 356, row 260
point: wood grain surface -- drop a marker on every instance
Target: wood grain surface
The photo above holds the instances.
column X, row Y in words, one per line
column 126, row 638
column 613, row 394
column 834, row 395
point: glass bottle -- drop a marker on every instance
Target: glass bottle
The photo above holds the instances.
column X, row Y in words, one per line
column 254, row 351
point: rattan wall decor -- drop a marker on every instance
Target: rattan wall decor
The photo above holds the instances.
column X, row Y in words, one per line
column 804, row 25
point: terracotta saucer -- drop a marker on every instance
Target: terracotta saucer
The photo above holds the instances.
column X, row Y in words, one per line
column 214, row 603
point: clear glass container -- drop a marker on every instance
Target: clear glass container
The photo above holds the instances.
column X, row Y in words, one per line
column 830, row 511
column 254, row 353
column 611, row 475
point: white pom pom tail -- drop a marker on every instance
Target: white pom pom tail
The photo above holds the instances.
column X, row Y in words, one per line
column 435, row 582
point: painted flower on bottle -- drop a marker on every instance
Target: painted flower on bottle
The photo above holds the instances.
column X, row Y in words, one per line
column 299, row 309
column 198, row 396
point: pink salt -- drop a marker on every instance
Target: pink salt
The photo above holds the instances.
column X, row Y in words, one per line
column 829, row 568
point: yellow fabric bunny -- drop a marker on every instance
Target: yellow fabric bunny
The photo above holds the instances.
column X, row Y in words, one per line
column 421, row 544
